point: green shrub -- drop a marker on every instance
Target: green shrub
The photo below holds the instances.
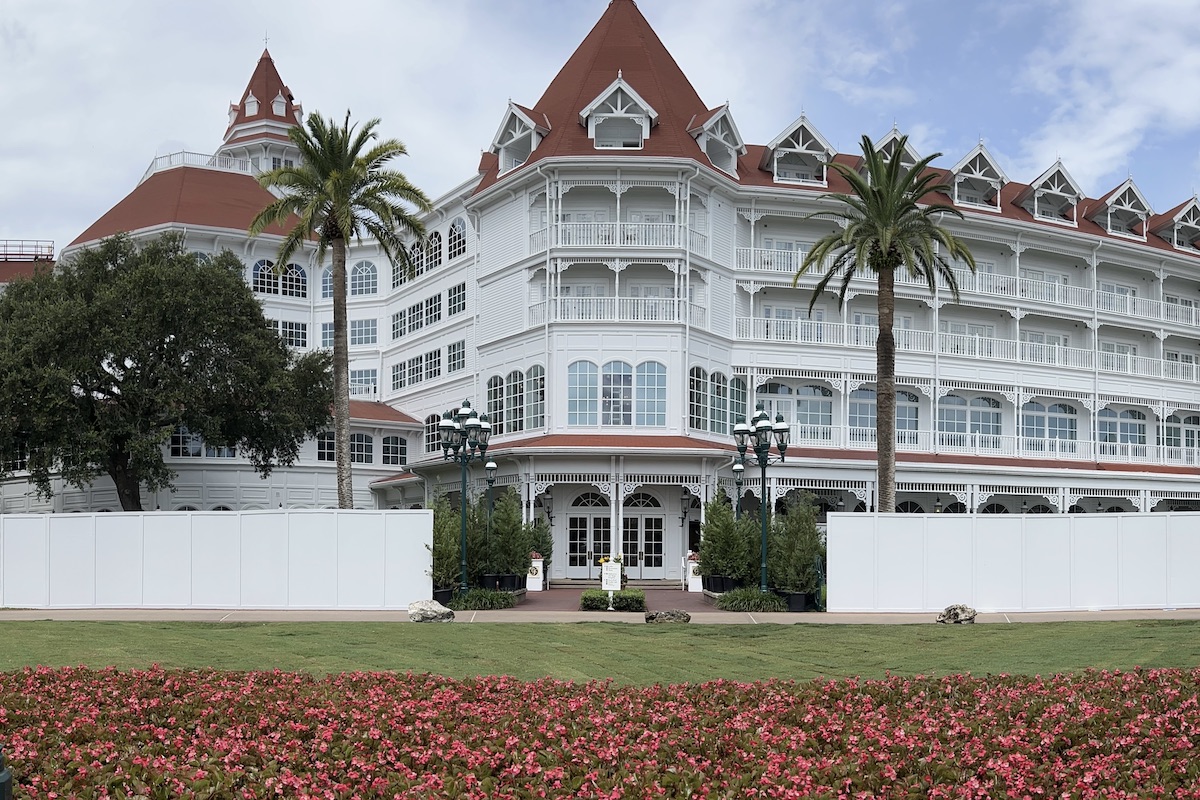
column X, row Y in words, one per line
column 482, row 600
column 751, row 600
column 796, row 555
column 624, row 600
column 722, row 545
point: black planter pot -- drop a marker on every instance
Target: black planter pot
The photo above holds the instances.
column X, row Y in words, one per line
column 443, row 596
column 508, row 582
column 726, row 583
column 523, row 581
column 799, row 601
column 490, row 581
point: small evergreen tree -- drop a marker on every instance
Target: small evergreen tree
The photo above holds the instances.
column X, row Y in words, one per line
column 797, row 553
column 722, row 551
column 446, row 535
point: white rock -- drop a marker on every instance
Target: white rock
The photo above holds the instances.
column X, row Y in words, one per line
column 429, row 611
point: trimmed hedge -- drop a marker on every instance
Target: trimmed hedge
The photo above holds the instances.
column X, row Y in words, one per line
column 750, row 599
column 624, row 600
column 482, row 600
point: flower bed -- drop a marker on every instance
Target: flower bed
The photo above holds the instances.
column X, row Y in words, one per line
column 157, row 733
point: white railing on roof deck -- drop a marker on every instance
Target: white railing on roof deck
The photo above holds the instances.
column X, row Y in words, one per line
column 187, row 159
column 26, row 250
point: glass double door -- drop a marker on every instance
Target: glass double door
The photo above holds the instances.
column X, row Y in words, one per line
column 643, row 546
column 587, row 541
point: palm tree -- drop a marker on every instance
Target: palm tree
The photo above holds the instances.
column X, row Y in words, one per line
column 883, row 228
column 339, row 189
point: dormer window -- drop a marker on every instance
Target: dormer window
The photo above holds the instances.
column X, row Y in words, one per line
column 1179, row 227
column 887, row 148
column 799, row 155
column 977, row 180
column 1123, row 212
column 279, row 105
column 718, row 137
column 251, row 105
column 1053, row 197
column 518, row 137
column 618, row 119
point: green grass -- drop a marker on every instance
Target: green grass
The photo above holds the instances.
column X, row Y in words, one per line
column 628, row 654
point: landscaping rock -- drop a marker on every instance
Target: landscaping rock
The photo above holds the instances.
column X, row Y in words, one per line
column 957, row 613
column 672, row 615
column 429, row 611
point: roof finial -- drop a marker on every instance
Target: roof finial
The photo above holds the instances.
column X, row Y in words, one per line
column 265, row 39
column 618, row 74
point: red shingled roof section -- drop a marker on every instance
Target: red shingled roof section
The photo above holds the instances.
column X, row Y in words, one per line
column 621, row 40
column 186, row 195
column 10, row 270
column 369, row 409
column 266, row 85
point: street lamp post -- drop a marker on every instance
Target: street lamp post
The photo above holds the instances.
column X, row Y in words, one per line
column 464, row 436
column 489, row 469
column 738, row 469
column 758, row 435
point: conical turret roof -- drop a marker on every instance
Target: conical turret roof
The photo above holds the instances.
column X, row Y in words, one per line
column 263, row 90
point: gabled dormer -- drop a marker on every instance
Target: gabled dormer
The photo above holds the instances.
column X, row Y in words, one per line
column 1053, row 197
column 519, row 135
column 1123, row 211
column 1180, row 226
column 618, row 119
column 718, row 137
column 888, row 146
column 799, row 155
column 977, row 180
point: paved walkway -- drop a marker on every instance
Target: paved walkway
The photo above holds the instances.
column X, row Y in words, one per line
column 562, row 604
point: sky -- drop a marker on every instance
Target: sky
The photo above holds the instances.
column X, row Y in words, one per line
column 91, row 92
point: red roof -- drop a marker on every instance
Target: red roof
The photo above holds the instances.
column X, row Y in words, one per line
column 10, row 270
column 265, row 84
column 188, row 196
column 621, row 41
column 382, row 412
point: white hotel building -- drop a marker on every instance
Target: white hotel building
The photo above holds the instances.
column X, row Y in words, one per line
column 613, row 286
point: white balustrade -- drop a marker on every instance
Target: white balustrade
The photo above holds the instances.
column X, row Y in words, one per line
column 538, row 240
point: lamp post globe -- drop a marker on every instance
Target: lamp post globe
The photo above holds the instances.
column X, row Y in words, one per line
column 758, row 435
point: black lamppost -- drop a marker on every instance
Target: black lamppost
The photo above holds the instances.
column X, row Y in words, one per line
column 464, row 436
column 489, row 469
column 738, row 469
column 758, row 434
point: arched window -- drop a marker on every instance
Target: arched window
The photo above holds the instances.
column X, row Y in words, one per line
column 590, row 500
column 456, row 242
column 433, row 250
column 362, row 448
column 327, row 283
column 433, row 438
column 535, row 397
column 616, row 394
column 583, row 391
column 985, row 421
column 909, row 507
column 1049, row 428
column 862, row 415
column 399, row 274
column 698, row 399
column 718, row 403
column 651, row 407
column 395, row 451
column 1182, row 433
column 955, row 508
column 642, row 500
column 364, row 278
column 994, row 508
column 294, row 281
column 495, row 404
column 1120, row 427
column 814, row 413
column 908, row 417
column 265, row 281
column 1041, row 508
column 325, row 447
column 417, row 254
column 202, row 258
column 514, row 401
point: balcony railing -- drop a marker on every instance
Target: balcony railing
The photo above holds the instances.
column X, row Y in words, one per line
column 617, row 309
column 186, row 159
column 617, row 234
column 26, row 250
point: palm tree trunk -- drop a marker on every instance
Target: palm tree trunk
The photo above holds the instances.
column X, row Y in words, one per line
column 341, row 378
column 885, row 390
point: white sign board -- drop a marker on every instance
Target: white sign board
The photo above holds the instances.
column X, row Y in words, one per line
column 610, row 576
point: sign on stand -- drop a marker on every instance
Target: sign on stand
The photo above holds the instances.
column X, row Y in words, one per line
column 610, row 579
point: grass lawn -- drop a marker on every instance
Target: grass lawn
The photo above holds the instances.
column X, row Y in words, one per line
column 628, row 654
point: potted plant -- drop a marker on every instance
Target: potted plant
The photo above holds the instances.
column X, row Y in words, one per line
column 445, row 569
column 721, row 549
column 796, row 555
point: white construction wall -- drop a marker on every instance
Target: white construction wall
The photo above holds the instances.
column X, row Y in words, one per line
column 1004, row 562
column 216, row 559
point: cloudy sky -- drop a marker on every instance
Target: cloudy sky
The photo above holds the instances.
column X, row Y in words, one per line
column 92, row 91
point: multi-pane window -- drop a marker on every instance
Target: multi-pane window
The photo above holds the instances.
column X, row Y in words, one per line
column 416, row 369
column 495, row 403
column 814, row 412
column 718, row 403
column 908, row 417
column 952, row 414
column 363, row 331
column 417, row 254
column 583, row 384
column 456, row 356
column 433, row 250
column 456, row 299
column 295, row 334
column 456, row 242
column 399, row 275
column 325, row 447
column 651, row 398
column 327, row 283
column 1182, row 432
column 1125, row 427
column 294, row 281
column 326, row 334
column 395, row 451
column 737, row 400
column 416, row 318
column 364, row 278
column 535, row 397
column 185, row 444
column 397, row 377
column 698, row 399
column 363, row 381
column 433, row 441
column 985, row 416
column 861, row 415
column 362, row 448
column 219, row 451
column 1040, row 423
column 433, row 364
column 264, row 279
column 399, row 320
column 514, row 402
column 433, row 309
column 616, row 394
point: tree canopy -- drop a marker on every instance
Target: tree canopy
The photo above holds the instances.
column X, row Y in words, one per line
column 104, row 358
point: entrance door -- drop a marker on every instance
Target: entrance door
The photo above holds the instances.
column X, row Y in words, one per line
column 588, row 529
column 643, row 538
